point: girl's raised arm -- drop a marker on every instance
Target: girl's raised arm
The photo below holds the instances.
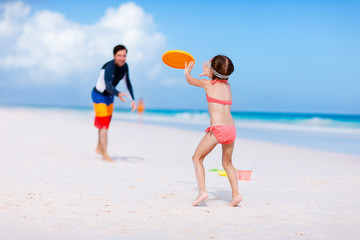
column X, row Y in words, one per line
column 197, row 82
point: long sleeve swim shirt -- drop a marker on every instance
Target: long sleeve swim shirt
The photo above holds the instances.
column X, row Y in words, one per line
column 109, row 78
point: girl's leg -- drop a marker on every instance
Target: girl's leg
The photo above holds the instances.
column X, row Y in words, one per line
column 206, row 145
column 227, row 150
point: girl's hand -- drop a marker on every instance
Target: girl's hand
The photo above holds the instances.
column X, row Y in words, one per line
column 206, row 69
column 188, row 68
column 192, row 81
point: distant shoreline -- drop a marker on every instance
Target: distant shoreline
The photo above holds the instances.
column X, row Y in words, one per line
column 355, row 116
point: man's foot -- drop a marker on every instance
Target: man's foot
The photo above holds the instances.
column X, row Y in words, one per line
column 98, row 150
column 108, row 158
column 200, row 198
column 235, row 201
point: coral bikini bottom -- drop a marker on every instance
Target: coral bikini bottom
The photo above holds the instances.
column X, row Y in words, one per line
column 224, row 134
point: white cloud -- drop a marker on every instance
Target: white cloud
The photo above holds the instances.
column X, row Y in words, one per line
column 46, row 46
column 13, row 14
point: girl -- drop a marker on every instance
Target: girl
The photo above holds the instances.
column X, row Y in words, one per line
column 222, row 129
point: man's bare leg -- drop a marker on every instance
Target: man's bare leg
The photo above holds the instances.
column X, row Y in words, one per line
column 103, row 144
column 98, row 149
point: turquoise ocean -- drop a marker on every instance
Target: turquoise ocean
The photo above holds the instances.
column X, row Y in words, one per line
column 338, row 133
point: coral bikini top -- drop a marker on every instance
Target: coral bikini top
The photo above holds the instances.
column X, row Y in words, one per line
column 214, row 100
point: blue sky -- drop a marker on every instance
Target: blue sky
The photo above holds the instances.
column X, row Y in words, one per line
column 289, row 56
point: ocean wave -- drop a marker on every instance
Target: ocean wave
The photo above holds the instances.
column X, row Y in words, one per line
column 198, row 117
column 317, row 121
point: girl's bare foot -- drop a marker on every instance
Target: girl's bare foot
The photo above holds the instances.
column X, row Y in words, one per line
column 200, row 198
column 235, row 201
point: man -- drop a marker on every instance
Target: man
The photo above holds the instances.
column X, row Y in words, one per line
column 103, row 95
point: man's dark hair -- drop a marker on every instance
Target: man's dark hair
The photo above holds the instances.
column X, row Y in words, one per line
column 119, row 48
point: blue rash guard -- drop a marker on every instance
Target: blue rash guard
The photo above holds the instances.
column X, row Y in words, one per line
column 109, row 78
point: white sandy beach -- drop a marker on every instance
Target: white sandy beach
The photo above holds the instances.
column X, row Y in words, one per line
column 54, row 186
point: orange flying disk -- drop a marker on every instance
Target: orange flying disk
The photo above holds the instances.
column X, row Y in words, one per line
column 177, row 58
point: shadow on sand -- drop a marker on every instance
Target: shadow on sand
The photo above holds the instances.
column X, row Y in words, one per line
column 215, row 194
column 220, row 194
column 127, row 158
